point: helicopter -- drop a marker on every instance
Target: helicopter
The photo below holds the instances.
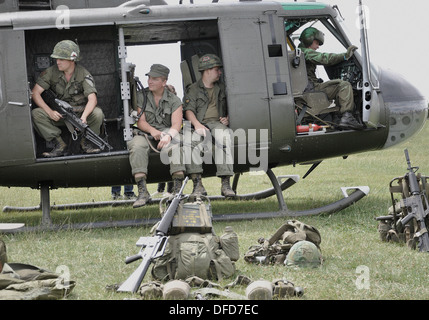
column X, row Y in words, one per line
column 263, row 69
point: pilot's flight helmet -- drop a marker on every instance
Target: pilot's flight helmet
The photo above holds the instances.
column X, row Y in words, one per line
column 310, row 34
column 209, row 61
column 66, row 50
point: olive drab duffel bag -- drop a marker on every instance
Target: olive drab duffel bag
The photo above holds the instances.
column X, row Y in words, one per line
column 275, row 249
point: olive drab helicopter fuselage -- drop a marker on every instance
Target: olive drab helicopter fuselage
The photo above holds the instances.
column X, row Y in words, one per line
column 264, row 73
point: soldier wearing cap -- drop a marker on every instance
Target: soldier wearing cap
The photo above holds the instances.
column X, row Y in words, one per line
column 162, row 120
column 311, row 39
column 205, row 107
column 73, row 84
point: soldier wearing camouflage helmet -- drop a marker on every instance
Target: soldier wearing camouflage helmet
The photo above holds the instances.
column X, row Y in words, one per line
column 74, row 84
column 205, row 107
column 311, row 39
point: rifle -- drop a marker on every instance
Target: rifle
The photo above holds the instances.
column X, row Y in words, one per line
column 151, row 247
column 72, row 121
column 415, row 207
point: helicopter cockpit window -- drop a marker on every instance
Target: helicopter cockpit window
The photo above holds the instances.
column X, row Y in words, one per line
column 332, row 40
column 335, row 41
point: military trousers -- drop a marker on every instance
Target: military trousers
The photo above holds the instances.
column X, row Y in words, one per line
column 216, row 146
column 140, row 150
column 339, row 90
column 49, row 129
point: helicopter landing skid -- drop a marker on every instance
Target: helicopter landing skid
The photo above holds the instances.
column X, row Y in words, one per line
column 278, row 187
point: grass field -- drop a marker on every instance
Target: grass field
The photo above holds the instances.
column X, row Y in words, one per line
column 351, row 246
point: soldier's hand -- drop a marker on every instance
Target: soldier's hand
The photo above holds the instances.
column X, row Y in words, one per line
column 164, row 141
column 350, row 52
column 224, row 120
column 55, row 115
column 201, row 130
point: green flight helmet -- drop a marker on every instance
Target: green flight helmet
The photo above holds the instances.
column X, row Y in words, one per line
column 310, row 34
column 66, row 50
column 209, row 61
column 303, row 254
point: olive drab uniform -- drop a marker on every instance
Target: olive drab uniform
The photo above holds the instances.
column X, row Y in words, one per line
column 197, row 101
column 159, row 118
column 333, row 88
column 74, row 92
column 337, row 89
column 209, row 105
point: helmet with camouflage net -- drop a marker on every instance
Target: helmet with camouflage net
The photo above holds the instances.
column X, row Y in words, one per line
column 303, row 254
column 310, row 34
column 66, row 50
column 209, row 61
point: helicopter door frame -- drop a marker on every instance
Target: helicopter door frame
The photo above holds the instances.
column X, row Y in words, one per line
column 280, row 93
column 125, row 86
column 15, row 111
column 245, row 75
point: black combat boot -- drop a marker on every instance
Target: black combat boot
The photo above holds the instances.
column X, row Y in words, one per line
column 144, row 196
column 198, row 189
column 177, row 182
column 226, row 189
column 58, row 150
column 349, row 122
column 87, row 146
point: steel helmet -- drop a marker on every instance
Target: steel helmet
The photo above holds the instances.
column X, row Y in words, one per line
column 310, row 34
column 209, row 61
column 66, row 50
column 303, row 254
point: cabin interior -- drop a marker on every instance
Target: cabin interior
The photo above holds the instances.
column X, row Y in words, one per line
column 99, row 54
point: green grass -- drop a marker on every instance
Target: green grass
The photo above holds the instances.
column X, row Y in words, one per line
column 350, row 241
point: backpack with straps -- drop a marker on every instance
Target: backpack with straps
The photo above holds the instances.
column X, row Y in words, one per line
column 193, row 249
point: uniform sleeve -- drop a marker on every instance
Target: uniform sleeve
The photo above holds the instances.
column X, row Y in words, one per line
column 175, row 103
column 88, row 85
column 44, row 79
column 326, row 59
column 189, row 101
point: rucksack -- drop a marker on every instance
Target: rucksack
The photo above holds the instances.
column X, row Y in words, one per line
column 193, row 249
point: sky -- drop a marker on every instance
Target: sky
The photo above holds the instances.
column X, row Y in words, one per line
column 397, row 32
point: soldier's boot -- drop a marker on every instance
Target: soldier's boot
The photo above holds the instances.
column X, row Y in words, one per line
column 198, row 189
column 349, row 122
column 177, row 182
column 226, row 189
column 58, row 150
column 87, row 146
column 143, row 196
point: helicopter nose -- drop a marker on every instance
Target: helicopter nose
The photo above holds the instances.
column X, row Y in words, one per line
column 407, row 107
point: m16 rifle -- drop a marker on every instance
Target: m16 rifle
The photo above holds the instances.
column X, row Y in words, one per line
column 152, row 247
column 416, row 205
column 73, row 122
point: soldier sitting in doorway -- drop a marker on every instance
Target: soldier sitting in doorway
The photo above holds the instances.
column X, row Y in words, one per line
column 205, row 108
column 73, row 84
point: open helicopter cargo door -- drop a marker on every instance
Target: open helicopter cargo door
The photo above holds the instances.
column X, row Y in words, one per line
column 17, row 138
